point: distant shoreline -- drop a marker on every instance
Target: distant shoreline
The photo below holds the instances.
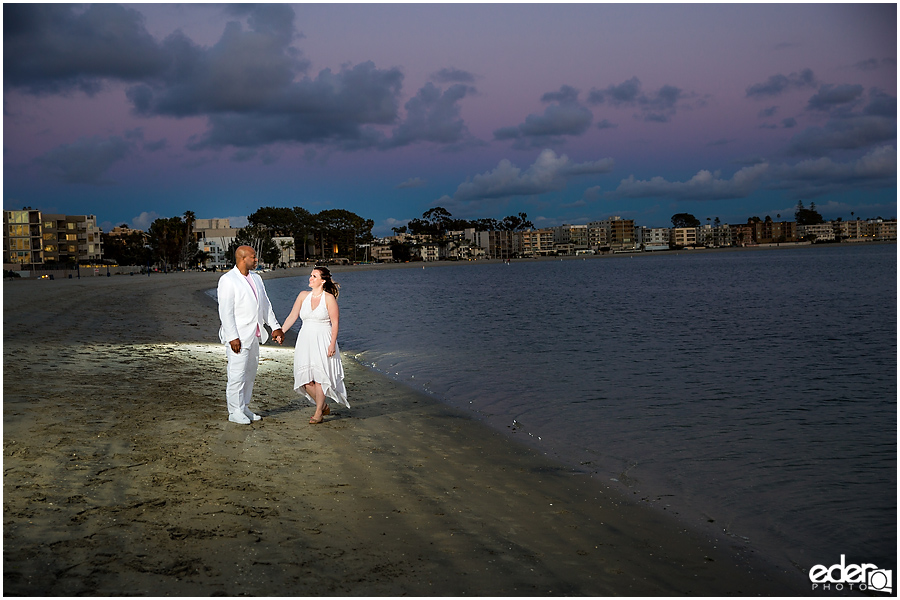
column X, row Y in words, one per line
column 133, row 270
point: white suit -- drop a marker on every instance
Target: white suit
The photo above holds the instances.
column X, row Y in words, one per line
column 243, row 313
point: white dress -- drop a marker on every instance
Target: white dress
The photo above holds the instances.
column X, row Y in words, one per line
column 311, row 360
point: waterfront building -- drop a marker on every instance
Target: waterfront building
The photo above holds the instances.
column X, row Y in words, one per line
column 871, row 230
column 882, row 230
column 771, row 232
column 714, row 236
column 382, row 253
column 820, row 232
column 619, row 232
column 496, row 244
column 653, row 238
column 742, row 235
column 36, row 239
column 684, row 236
column 536, row 242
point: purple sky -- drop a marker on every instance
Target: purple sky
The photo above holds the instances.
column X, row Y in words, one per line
column 570, row 113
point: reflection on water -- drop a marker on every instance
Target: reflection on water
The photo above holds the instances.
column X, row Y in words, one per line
column 753, row 392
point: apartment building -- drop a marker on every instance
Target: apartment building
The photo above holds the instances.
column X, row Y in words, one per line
column 771, row 232
column 820, row 232
column 36, row 239
column 619, row 232
column 536, row 242
column 684, row 236
column 741, row 235
column 496, row 244
column 872, row 230
column 653, row 238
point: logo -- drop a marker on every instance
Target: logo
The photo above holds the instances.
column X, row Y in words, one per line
column 863, row 577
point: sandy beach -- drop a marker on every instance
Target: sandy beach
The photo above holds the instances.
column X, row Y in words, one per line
column 122, row 476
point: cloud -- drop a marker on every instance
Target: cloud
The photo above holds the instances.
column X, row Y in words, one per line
column 452, row 75
column 606, row 124
column 815, row 177
column 143, row 220
column 872, row 64
column 655, row 107
column 831, row 96
column 702, row 186
column 806, row 179
column 86, row 160
column 414, row 182
column 779, row 84
column 843, row 134
column 433, row 116
column 548, row 173
column 881, row 104
column 565, row 116
column 155, row 146
column 58, row 48
column 768, row 112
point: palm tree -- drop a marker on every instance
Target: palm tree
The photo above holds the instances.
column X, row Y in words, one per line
column 189, row 219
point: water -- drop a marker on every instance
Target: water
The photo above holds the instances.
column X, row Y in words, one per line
column 753, row 393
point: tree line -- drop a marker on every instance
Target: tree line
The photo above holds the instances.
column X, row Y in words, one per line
column 171, row 242
column 329, row 234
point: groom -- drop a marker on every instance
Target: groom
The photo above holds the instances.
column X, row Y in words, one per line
column 244, row 308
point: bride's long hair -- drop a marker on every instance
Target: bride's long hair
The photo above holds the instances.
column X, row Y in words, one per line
column 330, row 286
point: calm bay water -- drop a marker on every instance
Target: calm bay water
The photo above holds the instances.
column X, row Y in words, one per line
column 750, row 392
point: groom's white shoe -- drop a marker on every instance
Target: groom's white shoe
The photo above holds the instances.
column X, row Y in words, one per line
column 240, row 418
column 251, row 415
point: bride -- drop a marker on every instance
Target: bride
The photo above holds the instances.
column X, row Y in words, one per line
column 318, row 372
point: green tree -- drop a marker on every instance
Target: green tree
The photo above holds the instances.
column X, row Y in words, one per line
column 340, row 232
column 807, row 216
column 518, row 222
column 685, row 220
column 128, row 249
column 258, row 238
column 166, row 238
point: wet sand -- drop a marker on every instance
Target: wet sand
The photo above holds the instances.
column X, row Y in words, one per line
column 122, row 476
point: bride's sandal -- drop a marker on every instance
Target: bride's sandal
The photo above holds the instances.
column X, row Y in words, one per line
column 326, row 410
column 314, row 422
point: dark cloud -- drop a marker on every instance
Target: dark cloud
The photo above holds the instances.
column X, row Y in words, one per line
column 566, row 95
column 451, row 75
column 789, row 122
column 830, row 97
column 86, row 160
column 606, row 124
column 565, row 116
column 816, row 177
column 244, row 71
column 843, row 134
column 433, row 115
column 768, row 112
column 59, row 48
column 655, row 107
column 624, row 94
column 251, row 85
column 548, row 173
column 334, row 107
column 779, row 84
column 705, row 185
column 155, row 146
column 872, row 64
column 881, row 104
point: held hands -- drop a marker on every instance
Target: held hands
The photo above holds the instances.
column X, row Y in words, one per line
column 331, row 350
column 235, row 346
column 278, row 336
